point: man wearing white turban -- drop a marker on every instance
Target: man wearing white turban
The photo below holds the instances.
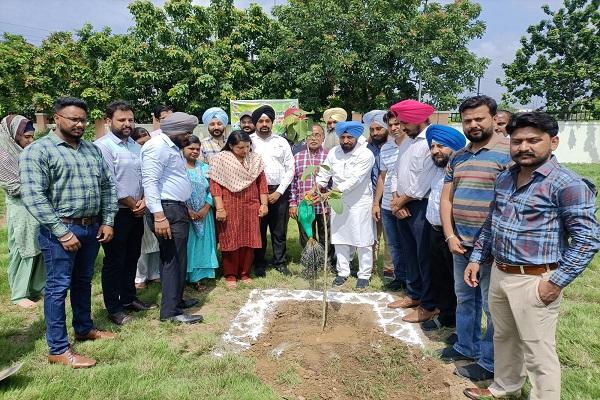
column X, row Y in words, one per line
column 331, row 117
column 215, row 120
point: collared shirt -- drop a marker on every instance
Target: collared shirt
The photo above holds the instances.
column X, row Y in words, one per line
column 532, row 224
column 415, row 169
column 210, row 147
column 433, row 206
column 298, row 187
column 331, row 140
column 124, row 164
column 59, row 181
column 164, row 175
column 387, row 162
column 473, row 175
column 278, row 159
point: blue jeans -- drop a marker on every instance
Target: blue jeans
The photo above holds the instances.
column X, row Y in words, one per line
column 390, row 225
column 470, row 302
column 68, row 270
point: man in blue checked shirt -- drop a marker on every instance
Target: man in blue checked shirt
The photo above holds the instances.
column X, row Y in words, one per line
column 542, row 233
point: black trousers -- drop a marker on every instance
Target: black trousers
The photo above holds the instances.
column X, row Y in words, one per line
column 277, row 222
column 173, row 257
column 318, row 227
column 442, row 277
column 120, row 261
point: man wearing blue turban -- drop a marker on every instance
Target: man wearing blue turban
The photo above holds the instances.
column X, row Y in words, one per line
column 443, row 142
column 215, row 120
column 349, row 167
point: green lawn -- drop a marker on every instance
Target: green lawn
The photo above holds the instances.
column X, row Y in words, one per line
column 152, row 360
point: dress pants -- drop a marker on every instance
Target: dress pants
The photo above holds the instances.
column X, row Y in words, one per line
column 173, row 256
column 344, row 254
column 441, row 290
column 66, row 271
column 524, row 336
column 414, row 234
column 277, row 221
column 120, row 261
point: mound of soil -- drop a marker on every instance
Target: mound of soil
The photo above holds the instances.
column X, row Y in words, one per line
column 351, row 359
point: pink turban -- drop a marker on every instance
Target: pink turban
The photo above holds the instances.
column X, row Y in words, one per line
column 412, row 111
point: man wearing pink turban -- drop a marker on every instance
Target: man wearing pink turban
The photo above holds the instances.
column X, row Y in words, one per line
column 410, row 187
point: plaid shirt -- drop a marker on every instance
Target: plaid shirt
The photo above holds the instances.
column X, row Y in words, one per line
column 60, row 181
column 532, row 224
column 298, row 187
column 209, row 147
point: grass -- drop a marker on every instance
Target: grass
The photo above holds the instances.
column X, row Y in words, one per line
column 152, row 360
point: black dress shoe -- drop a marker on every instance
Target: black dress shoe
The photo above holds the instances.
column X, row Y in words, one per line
column 260, row 272
column 138, row 305
column 184, row 319
column 283, row 270
column 119, row 318
column 188, row 303
column 474, row 372
column 395, row 285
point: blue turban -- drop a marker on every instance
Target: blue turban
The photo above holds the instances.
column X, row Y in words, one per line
column 375, row 116
column 352, row 127
column 446, row 136
column 215, row 112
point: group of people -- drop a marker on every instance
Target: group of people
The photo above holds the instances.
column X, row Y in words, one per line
column 496, row 226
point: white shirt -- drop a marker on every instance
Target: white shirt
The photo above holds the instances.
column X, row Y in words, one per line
column 387, row 162
column 414, row 169
column 433, row 206
column 164, row 175
column 123, row 160
column 351, row 175
column 278, row 159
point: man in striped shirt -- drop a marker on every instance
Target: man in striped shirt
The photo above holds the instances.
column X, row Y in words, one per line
column 465, row 203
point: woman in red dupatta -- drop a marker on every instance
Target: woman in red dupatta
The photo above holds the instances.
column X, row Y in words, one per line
column 239, row 189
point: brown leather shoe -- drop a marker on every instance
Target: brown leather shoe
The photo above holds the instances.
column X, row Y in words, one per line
column 72, row 359
column 485, row 394
column 95, row 334
column 405, row 302
column 420, row 314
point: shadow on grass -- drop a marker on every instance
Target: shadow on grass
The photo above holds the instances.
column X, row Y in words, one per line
column 16, row 343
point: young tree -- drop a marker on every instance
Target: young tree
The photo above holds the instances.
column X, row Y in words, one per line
column 560, row 60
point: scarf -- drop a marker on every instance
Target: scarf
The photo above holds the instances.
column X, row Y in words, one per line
column 227, row 171
column 199, row 191
column 9, row 153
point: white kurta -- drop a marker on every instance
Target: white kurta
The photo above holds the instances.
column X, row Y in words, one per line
column 351, row 175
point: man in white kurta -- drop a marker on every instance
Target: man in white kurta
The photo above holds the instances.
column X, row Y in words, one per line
column 350, row 165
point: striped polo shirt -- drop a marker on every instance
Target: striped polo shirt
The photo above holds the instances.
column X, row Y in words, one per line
column 473, row 175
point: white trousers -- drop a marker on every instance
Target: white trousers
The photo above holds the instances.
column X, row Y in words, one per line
column 344, row 254
column 148, row 267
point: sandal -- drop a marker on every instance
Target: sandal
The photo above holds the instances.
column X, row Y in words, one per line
column 230, row 284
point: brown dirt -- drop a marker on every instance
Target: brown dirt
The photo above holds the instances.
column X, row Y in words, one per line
column 351, row 359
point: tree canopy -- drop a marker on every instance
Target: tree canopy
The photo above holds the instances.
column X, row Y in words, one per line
column 352, row 53
column 560, row 60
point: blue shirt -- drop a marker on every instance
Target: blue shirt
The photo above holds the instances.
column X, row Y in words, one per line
column 164, row 175
column 387, row 162
column 375, row 149
column 123, row 160
column 531, row 225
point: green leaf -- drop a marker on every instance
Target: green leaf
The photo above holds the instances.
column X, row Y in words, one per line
column 334, row 194
column 308, row 171
column 337, row 205
column 326, row 167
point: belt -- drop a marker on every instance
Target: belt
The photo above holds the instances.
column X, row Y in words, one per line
column 526, row 269
column 84, row 221
column 173, row 202
column 273, row 187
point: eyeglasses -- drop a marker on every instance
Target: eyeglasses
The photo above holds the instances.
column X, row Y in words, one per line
column 75, row 121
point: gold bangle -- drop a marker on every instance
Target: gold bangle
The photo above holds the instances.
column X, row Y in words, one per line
column 160, row 220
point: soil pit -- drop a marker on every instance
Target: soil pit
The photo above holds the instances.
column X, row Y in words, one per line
column 351, row 359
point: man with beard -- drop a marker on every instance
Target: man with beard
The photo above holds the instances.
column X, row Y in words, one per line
column 390, row 152
column 246, row 124
column 279, row 170
column 465, row 204
column 67, row 187
column 167, row 188
column 378, row 135
column 443, row 142
column 542, row 233
column 500, row 121
column 350, row 166
column 122, row 156
column 331, row 117
column 215, row 120
column 410, row 188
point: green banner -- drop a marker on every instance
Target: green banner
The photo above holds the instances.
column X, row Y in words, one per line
column 238, row 107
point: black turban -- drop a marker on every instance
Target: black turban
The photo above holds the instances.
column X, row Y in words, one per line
column 267, row 110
